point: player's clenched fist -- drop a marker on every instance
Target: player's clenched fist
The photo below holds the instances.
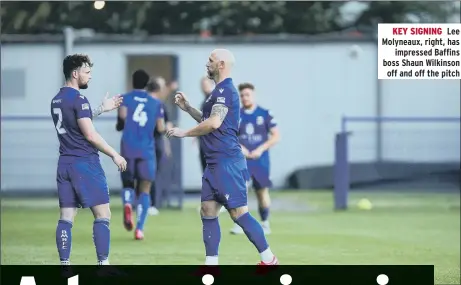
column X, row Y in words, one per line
column 181, row 100
column 120, row 162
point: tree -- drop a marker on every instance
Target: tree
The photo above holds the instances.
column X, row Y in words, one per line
column 221, row 17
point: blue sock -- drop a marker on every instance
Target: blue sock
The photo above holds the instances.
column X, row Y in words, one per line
column 128, row 196
column 253, row 231
column 64, row 239
column 101, row 238
column 144, row 204
column 211, row 235
column 264, row 213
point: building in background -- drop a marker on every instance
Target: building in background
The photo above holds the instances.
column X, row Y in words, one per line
column 303, row 69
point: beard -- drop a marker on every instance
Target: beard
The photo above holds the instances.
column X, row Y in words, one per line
column 83, row 86
column 210, row 74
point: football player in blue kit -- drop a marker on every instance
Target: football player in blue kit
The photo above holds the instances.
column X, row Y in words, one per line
column 80, row 177
column 224, row 181
column 258, row 132
column 139, row 115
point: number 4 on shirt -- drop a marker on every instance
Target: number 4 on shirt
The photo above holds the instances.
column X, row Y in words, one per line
column 139, row 115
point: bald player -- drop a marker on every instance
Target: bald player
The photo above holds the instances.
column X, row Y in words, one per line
column 257, row 134
column 225, row 178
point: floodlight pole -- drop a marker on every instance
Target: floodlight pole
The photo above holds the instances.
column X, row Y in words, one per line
column 69, row 38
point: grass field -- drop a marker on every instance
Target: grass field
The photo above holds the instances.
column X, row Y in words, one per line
column 416, row 228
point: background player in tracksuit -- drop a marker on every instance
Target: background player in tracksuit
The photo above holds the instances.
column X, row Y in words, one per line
column 257, row 133
column 139, row 115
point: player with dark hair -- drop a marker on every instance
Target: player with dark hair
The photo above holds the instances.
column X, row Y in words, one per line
column 225, row 179
column 257, row 133
column 155, row 87
column 138, row 116
column 80, row 178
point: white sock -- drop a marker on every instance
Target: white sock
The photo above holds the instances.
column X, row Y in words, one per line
column 65, row 262
column 267, row 256
column 103, row 262
column 211, row 260
column 265, row 224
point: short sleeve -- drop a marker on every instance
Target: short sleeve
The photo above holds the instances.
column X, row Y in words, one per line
column 82, row 108
column 270, row 121
column 125, row 100
column 224, row 97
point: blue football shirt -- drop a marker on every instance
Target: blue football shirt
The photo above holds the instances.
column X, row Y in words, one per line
column 66, row 108
column 255, row 128
column 143, row 111
column 222, row 144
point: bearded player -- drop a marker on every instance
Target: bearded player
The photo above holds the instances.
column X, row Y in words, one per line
column 224, row 181
column 80, row 178
column 258, row 132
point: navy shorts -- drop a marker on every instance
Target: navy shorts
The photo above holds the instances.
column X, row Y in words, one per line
column 226, row 183
column 81, row 184
column 139, row 169
column 259, row 173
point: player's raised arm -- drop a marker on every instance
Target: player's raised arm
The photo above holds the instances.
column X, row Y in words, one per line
column 217, row 115
column 181, row 100
column 85, row 123
column 108, row 104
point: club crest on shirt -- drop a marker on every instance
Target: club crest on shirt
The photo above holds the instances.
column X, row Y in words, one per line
column 259, row 120
column 249, row 129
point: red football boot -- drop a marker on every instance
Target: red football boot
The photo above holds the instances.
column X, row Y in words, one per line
column 128, row 217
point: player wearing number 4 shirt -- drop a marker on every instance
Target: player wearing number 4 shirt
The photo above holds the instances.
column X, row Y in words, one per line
column 139, row 115
column 80, row 178
column 224, row 181
column 257, row 133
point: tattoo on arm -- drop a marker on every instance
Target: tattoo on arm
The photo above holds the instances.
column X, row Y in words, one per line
column 97, row 111
column 196, row 114
column 220, row 111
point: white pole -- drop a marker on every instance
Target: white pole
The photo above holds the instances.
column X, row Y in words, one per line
column 69, row 38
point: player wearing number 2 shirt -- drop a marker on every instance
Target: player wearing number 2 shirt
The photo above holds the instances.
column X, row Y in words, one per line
column 141, row 114
column 80, row 178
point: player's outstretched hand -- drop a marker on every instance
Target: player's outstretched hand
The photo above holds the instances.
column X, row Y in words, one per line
column 111, row 103
column 181, row 100
column 175, row 132
column 120, row 162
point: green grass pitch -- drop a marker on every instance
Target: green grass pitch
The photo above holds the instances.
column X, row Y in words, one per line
column 416, row 228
